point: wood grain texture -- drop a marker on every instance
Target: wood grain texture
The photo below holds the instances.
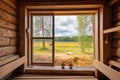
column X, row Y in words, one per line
column 112, row 30
column 114, row 63
column 52, row 77
column 112, row 2
column 7, row 50
column 8, row 59
column 116, row 35
column 8, row 17
column 6, row 69
column 7, row 33
column 10, row 3
column 4, row 41
column 109, row 72
column 8, row 9
column 8, row 25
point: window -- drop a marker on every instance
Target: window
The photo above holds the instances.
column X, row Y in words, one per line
column 57, row 39
column 42, row 39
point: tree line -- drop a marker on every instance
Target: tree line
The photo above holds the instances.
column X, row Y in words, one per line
column 73, row 39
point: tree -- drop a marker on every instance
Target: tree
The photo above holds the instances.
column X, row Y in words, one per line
column 84, row 30
column 42, row 27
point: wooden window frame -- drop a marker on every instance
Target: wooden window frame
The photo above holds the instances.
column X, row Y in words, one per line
column 78, row 12
column 51, row 38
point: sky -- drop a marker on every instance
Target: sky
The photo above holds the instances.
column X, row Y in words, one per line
column 67, row 26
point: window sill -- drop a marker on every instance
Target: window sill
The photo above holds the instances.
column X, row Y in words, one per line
column 58, row 70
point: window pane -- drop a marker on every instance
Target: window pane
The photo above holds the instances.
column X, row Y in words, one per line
column 42, row 50
column 74, row 40
column 42, row 26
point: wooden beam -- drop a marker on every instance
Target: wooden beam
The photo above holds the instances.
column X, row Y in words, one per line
column 112, row 2
column 112, row 30
column 8, row 59
column 4, row 70
column 109, row 72
column 114, row 63
column 65, row 7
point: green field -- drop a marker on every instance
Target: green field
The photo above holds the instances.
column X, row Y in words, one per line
column 61, row 48
column 78, row 58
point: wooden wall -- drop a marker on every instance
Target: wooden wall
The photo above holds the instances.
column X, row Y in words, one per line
column 116, row 35
column 8, row 27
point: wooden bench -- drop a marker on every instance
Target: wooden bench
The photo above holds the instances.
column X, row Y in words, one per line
column 108, row 71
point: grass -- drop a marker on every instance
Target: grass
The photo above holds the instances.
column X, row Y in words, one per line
column 78, row 58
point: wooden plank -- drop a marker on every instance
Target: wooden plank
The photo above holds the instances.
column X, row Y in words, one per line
column 112, row 2
column 8, row 17
column 8, row 59
column 8, row 9
column 109, row 72
column 8, row 25
column 7, row 33
column 10, row 3
column 114, row 63
column 64, row 7
column 6, row 69
column 46, row 77
column 7, row 50
column 112, row 30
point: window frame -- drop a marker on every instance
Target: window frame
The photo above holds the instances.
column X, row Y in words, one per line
column 32, row 37
column 79, row 12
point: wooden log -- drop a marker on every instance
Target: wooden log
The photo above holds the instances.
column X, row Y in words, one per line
column 8, row 59
column 4, row 70
column 8, row 9
column 117, row 24
column 109, row 72
column 116, row 17
column 116, row 43
column 8, row 17
column 7, row 50
column 116, row 52
column 7, row 33
column 8, row 25
column 4, row 41
column 8, row 41
column 14, row 1
column 116, row 35
column 114, row 63
column 116, row 9
column 10, row 3
column 13, row 42
column 112, row 2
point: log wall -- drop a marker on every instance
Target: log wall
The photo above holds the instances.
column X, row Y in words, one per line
column 8, row 27
column 116, row 35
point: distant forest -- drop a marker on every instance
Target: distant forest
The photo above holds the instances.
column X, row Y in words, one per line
column 74, row 39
